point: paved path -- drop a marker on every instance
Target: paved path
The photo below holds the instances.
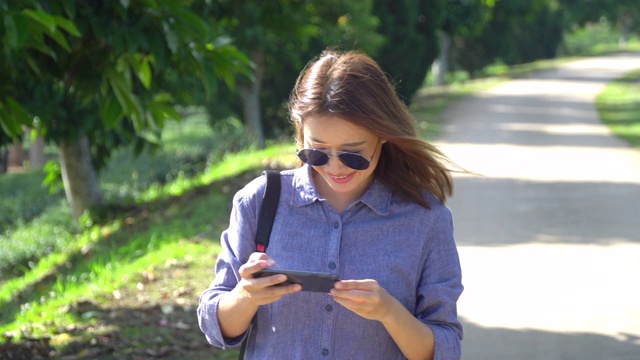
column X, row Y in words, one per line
column 549, row 234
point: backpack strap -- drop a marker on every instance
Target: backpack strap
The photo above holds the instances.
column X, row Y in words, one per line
column 268, row 209
column 270, row 200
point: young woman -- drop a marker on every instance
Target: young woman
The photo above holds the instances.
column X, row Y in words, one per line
column 366, row 205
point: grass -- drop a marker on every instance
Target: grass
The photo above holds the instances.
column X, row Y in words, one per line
column 166, row 223
column 619, row 107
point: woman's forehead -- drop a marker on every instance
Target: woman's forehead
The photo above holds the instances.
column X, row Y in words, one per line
column 331, row 128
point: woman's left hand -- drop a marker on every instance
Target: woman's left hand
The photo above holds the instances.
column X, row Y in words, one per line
column 364, row 297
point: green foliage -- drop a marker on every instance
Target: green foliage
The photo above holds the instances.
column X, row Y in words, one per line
column 32, row 221
column 111, row 57
column 27, row 36
column 47, row 228
column 289, row 33
column 105, row 71
column 411, row 45
column 582, row 12
column 595, row 38
column 464, row 18
column 189, row 148
column 518, row 32
column 23, row 198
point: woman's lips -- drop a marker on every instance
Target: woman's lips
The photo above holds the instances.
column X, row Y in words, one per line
column 342, row 178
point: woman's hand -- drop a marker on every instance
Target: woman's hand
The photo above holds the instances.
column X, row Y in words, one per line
column 369, row 300
column 260, row 291
column 365, row 298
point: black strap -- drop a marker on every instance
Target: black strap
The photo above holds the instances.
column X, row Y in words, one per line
column 268, row 209
column 243, row 347
column 267, row 213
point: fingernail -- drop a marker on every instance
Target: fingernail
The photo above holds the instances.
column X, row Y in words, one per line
column 270, row 262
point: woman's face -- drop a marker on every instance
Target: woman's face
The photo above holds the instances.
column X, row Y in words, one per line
column 335, row 180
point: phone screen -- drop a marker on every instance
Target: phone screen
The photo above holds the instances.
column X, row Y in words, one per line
column 309, row 280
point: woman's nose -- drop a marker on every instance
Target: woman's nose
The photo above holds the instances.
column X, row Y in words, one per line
column 334, row 162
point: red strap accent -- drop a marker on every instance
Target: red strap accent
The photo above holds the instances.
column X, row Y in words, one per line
column 260, row 247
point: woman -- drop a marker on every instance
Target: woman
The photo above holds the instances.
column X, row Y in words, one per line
column 367, row 205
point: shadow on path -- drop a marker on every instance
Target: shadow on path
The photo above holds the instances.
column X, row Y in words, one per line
column 533, row 120
column 509, row 212
column 482, row 343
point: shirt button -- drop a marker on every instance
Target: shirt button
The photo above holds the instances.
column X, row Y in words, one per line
column 332, row 265
column 329, row 308
column 325, row 352
column 336, row 225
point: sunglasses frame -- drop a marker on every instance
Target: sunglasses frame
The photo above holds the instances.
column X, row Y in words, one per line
column 302, row 155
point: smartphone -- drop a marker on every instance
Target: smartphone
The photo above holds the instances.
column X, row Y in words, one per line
column 310, row 281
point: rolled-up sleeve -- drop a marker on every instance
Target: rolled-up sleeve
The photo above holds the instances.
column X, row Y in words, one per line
column 237, row 245
column 440, row 287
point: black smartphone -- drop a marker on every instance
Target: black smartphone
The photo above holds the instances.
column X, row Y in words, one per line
column 310, row 281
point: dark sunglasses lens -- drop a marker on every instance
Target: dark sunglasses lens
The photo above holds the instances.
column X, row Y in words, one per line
column 354, row 161
column 313, row 157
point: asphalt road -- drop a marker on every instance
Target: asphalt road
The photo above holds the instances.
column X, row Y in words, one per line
column 549, row 229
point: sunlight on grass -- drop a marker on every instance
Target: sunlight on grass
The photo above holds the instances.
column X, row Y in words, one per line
column 276, row 156
column 110, row 258
column 619, row 107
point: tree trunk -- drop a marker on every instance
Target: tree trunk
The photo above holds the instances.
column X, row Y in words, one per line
column 36, row 152
column 4, row 161
column 626, row 29
column 79, row 176
column 443, row 59
column 251, row 106
column 16, row 155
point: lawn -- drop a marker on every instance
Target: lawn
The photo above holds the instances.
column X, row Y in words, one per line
column 126, row 285
column 619, row 107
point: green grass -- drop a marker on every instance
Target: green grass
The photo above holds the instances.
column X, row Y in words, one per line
column 23, row 198
column 160, row 220
column 619, row 107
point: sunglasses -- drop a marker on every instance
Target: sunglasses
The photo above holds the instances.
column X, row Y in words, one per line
column 316, row 157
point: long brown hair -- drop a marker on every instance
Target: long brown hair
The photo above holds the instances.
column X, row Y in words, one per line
column 352, row 86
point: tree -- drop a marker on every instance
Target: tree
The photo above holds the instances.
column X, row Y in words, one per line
column 620, row 12
column 281, row 36
column 411, row 43
column 518, row 32
column 96, row 74
column 463, row 18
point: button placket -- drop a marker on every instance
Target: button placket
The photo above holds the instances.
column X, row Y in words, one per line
column 336, row 235
column 332, row 260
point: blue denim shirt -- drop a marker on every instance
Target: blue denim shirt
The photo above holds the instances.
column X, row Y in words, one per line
column 408, row 249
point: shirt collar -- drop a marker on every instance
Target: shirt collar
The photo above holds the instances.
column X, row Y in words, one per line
column 378, row 197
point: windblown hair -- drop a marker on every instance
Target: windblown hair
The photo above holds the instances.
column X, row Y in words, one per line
column 352, row 86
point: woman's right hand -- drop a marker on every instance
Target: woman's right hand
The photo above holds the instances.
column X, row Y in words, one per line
column 260, row 291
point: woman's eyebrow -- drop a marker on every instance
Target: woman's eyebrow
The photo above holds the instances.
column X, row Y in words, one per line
column 353, row 144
